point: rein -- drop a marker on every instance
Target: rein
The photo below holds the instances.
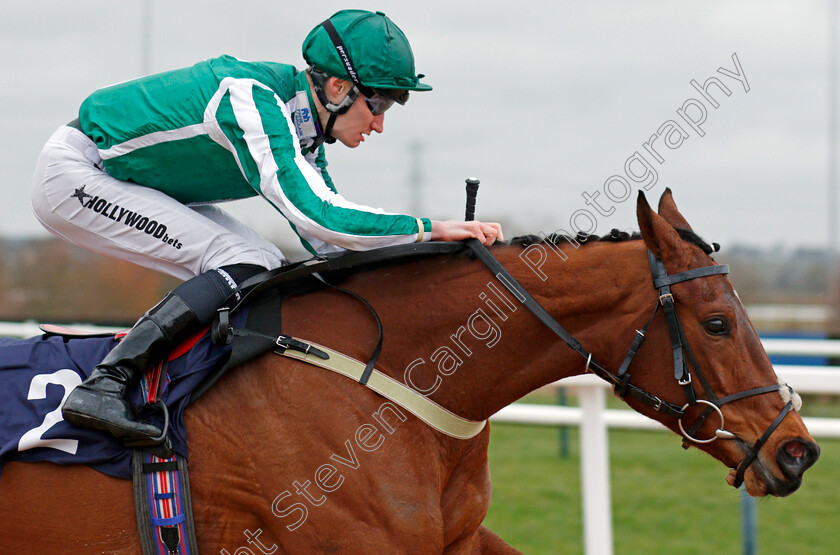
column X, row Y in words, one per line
column 679, row 345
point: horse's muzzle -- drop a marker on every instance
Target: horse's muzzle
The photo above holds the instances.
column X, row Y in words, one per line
column 794, row 457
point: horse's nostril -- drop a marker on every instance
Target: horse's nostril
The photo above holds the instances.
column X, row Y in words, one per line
column 796, row 456
column 795, row 450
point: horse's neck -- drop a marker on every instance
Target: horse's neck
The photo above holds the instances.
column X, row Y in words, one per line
column 480, row 349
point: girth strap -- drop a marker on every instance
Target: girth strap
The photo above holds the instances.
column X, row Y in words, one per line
column 419, row 405
column 163, row 505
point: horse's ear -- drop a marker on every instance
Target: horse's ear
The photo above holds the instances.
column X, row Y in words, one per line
column 668, row 210
column 659, row 235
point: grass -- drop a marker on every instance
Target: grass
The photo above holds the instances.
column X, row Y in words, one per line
column 664, row 499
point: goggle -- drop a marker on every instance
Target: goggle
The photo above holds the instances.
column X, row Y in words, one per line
column 380, row 100
column 378, row 103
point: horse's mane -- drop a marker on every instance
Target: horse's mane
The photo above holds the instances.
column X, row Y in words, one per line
column 615, row 236
column 580, row 240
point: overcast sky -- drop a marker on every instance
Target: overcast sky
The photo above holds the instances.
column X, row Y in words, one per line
column 543, row 101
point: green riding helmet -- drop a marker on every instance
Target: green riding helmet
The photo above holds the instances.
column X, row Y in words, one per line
column 376, row 49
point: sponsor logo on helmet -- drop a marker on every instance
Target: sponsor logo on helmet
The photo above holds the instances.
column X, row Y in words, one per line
column 347, row 63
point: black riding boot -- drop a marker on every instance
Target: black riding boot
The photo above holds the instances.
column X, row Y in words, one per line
column 99, row 402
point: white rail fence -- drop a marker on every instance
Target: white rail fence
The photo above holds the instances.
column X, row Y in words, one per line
column 595, row 419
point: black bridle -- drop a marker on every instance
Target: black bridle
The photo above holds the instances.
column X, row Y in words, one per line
column 662, row 281
column 679, row 345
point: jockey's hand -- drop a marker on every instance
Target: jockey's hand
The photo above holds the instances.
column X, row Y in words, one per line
column 456, row 230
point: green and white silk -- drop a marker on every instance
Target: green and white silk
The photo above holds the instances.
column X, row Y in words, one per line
column 226, row 129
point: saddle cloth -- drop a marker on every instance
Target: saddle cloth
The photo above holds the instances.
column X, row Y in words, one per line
column 37, row 375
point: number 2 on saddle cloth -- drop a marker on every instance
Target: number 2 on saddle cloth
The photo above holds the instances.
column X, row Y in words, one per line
column 38, row 373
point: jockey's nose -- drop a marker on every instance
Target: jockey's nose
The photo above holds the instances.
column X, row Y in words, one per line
column 378, row 123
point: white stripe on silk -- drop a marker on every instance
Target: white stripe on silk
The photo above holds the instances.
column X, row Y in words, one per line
column 250, row 121
column 155, row 138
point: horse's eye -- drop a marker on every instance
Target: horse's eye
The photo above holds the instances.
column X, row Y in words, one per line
column 717, row 325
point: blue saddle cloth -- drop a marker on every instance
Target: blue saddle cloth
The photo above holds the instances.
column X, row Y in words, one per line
column 37, row 374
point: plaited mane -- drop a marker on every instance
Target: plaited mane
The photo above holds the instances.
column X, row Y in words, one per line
column 615, row 236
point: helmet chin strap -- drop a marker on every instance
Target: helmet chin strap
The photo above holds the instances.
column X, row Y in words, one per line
column 319, row 80
column 328, row 138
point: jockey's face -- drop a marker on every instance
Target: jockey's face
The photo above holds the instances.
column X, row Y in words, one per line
column 352, row 127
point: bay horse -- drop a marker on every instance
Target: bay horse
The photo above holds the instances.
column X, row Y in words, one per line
column 289, row 458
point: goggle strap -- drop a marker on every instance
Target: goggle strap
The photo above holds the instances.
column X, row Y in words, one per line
column 319, row 79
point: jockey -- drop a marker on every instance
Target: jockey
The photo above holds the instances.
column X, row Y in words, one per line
column 136, row 176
